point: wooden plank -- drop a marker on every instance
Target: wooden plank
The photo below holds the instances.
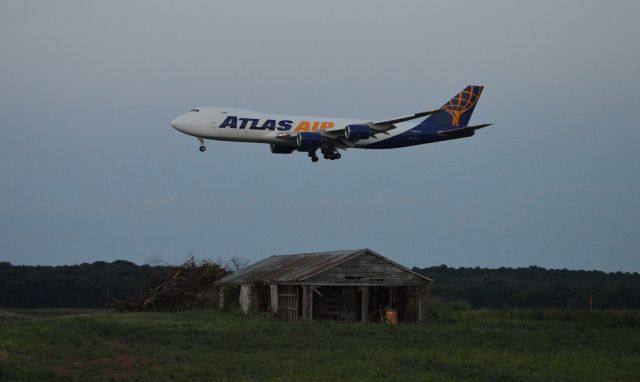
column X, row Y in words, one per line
column 348, row 303
column 365, row 303
column 367, row 269
column 288, row 305
column 273, row 289
column 305, row 302
column 311, row 303
column 295, row 302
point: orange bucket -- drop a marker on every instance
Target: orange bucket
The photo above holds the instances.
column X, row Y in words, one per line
column 392, row 316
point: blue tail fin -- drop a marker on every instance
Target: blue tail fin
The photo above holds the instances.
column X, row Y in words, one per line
column 457, row 111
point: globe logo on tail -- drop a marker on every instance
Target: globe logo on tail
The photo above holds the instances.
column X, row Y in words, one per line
column 461, row 103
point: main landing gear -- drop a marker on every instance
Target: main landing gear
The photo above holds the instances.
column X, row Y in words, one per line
column 202, row 148
column 330, row 154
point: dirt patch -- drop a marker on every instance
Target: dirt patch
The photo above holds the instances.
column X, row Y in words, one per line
column 119, row 365
column 115, row 345
column 71, row 368
column 4, row 355
column 123, row 367
column 123, row 364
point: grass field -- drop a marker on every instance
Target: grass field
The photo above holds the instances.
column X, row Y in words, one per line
column 528, row 345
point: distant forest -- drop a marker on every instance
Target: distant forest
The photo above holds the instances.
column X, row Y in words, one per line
column 86, row 285
column 534, row 287
column 72, row 286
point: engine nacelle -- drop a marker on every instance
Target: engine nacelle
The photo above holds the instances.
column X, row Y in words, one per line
column 281, row 149
column 354, row 132
column 309, row 140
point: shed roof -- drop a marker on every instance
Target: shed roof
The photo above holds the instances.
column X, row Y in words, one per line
column 299, row 267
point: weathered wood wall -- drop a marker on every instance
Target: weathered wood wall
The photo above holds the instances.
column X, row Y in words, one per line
column 366, row 269
column 327, row 306
column 288, row 301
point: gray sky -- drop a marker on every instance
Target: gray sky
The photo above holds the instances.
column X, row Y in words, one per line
column 91, row 169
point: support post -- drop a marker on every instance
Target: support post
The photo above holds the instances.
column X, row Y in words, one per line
column 365, row 304
column 422, row 303
column 305, row 302
column 274, row 299
column 221, row 297
column 311, row 292
column 245, row 298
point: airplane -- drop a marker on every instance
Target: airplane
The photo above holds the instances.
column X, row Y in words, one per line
column 287, row 133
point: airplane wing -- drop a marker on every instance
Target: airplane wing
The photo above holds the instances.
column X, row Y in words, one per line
column 337, row 137
column 388, row 124
column 391, row 122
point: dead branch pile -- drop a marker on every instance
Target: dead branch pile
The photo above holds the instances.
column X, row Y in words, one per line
column 189, row 286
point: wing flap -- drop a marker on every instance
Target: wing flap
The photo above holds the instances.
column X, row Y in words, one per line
column 393, row 121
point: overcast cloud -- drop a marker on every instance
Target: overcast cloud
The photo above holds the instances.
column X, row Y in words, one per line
column 91, row 169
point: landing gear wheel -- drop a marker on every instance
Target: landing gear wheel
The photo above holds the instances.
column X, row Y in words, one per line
column 337, row 156
column 202, row 147
column 314, row 159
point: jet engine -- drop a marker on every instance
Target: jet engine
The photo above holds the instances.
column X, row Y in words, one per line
column 281, row 149
column 355, row 132
column 309, row 140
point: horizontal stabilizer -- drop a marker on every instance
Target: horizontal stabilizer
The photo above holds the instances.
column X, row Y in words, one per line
column 477, row 127
column 461, row 131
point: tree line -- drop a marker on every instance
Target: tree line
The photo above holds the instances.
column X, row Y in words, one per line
column 92, row 285
column 73, row 286
column 534, row 287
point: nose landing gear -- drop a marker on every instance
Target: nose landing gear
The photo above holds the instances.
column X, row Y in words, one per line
column 313, row 156
column 202, row 147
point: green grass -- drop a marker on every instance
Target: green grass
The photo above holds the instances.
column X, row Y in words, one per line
column 519, row 345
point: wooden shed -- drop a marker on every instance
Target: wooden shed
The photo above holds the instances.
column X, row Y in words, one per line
column 356, row 285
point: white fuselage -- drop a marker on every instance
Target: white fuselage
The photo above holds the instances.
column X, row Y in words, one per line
column 229, row 124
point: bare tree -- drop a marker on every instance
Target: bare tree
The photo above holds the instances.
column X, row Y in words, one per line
column 156, row 260
column 236, row 263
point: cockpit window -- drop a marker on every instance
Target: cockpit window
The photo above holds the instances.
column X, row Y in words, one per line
column 196, row 110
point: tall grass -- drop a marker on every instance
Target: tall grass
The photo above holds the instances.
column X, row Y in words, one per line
column 455, row 344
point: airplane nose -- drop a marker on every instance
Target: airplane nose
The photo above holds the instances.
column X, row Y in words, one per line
column 179, row 124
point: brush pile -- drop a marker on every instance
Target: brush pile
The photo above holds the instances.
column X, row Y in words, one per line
column 189, row 286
